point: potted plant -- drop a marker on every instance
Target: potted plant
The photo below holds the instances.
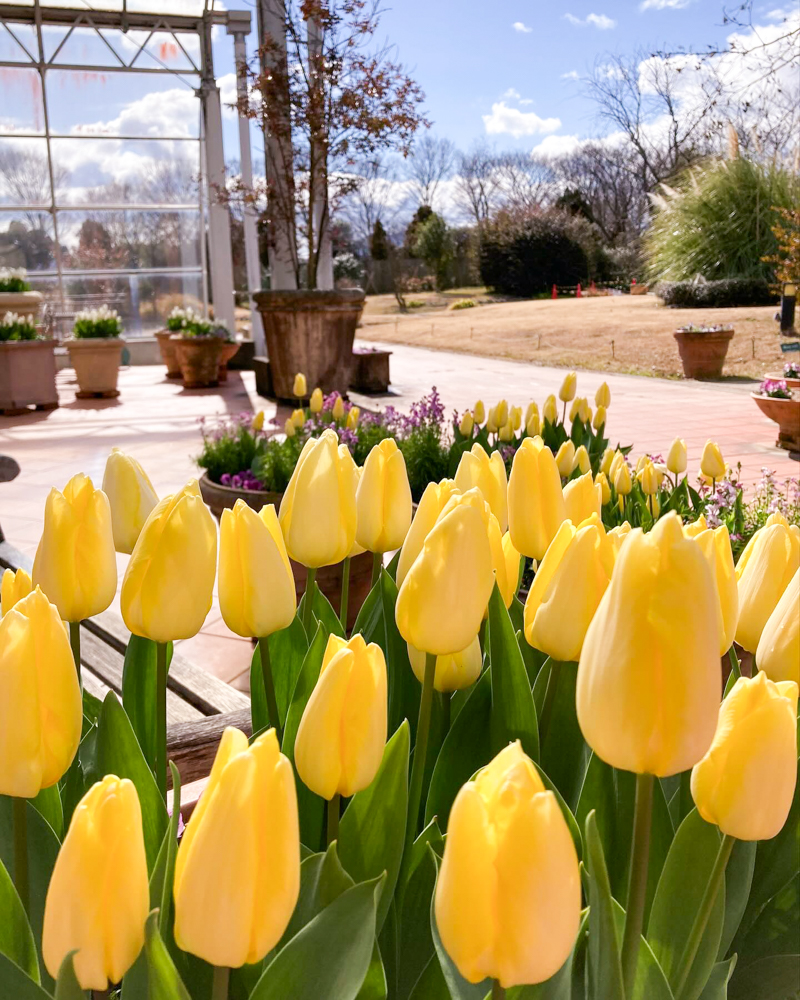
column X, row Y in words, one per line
column 27, row 366
column 326, row 97
column 777, row 401
column 703, row 349
column 791, row 375
column 198, row 348
column 230, row 346
column 95, row 350
column 16, row 295
column 165, row 344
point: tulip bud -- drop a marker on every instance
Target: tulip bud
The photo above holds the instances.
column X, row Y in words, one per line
column 516, row 417
column 567, row 588
column 617, row 460
column 508, row 897
column 778, row 653
column 501, row 413
column 693, row 530
column 582, row 498
column 568, row 387
column 342, row 733
column 131, row 497
column 429, row 508
column 338, row 408
column 712, row 464
column 98, row 898
column 444, row 595
column 535, row 500
column 40, row 700
column 533, row 425
column 605, row 463
column 575, row 409
column 676, row 459
column 532, row 409
column 299, row 389
column 600, row 416
column 715, row 544
column 618, row 535
column 466, row 425
column 383, row 500
column 508, row 570
column 167, row 589
column 298, row 418
column 13, row 587
column 507, row 432
column 288, row 428
column 258, row 421
column 318, row 510
column 648, row 478
column 479, row 412
column 491, row 423
column 352, row 417
column 745, row 783
column 75, row 564
column 454, row 671
column 603, row 396
column 316, row 402
column 649, row 674
column 641, row 462
column 256, row 587
column 581, row 460
column 550, row 410
column 622, row 480
column 565, row 459
column 241, row 850
column 769, row 561
column 476, row 468
column 605, row 490
column 584, row 412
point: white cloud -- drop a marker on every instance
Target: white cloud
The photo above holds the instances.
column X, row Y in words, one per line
column 526, row 100
column 663, row 4
column 511, row 121
column 572, row 75
column 599, row 21
column 512, row 94
column 557, row 145
column 523, row 29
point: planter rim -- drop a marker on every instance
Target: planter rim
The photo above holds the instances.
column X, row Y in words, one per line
column 79, row 342
column 197, row 340
column 309, row 298
column 205, row 480
column 776, row 399
column 705, row 333
column 39, row 342
column 30, row 294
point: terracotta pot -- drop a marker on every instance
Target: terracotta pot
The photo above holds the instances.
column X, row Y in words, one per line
column 329, row 578
column 96, row 363
column 23, row 303
column 199, row 359
column 703, row 354
column 786, row 414
column 168, row 355
column 229, row 348
column 370, row 371
column 792, row 383
column 27, row 376
column 310, row 332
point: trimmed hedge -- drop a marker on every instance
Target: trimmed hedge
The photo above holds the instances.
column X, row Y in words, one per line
column 527, row 256
column 725, row 293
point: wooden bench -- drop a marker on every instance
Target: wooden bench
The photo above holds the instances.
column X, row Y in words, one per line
column 199, row 705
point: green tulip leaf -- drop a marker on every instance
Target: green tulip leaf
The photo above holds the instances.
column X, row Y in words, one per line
column 431, row 984
column 373, row 828
column 163, row 981
column 163, row 873
column 374, row 986
column 738, row 882
column 48, row 803
column 651, row 983
column 16, row 936
column 331, row 955
column 391, row 568
column 680, row 890
column 67, row 985
column 415, row 939
column 605, row 964
column 775, row 930
column 773, row 978
column 458, row 986
column 564, row 753
column 717, row 986
column 322, row 611
column 15, row 985
column 287, row 649
column 139, row 692
column 533, row 657
column 322, row 880
column 91, row 709
column 513, row 713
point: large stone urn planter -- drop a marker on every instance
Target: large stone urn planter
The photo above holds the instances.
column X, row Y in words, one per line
column 168, row 355
column 96, row 363
column 786, row 414
column 229, row 348
column 25, row 304
column 703, row 353
column 199, row 359
column 310, row 332
column 329, row 578
column 27, row 376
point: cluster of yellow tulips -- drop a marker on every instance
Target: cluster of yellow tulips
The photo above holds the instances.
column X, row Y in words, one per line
column 314, row 863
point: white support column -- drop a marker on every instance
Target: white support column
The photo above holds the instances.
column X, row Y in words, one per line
column 239, row 27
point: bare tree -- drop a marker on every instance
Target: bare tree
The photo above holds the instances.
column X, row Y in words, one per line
column 25, row 176
column 478, row 184
column 430, row 162
column 525, row 181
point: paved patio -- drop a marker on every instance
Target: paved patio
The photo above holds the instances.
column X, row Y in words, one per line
column 157, row 421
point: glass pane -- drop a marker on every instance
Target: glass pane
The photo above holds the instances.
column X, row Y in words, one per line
column 129, row 239
column 24, row 172
column 18, row 43
column 26, row 240
column 22, row 109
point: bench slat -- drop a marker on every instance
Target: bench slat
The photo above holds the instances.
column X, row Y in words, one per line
column 193, row 745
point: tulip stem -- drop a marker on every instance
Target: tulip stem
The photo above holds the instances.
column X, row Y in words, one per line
column 308, row 603
column 269, row 687
column 498, row 992
column 333, row 819
column 736, row 669
column 703, row 914
column 219, row 987
column 161, row 718
column 75, row 644
column 377, row 566
column 549, row 699
column 20, row 819
column 637, row 884
column 345, row 593
column 420, row 752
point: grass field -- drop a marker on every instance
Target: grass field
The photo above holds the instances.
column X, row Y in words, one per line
column 620, row 333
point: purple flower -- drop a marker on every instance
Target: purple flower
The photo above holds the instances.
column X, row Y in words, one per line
column 225, row 479
column 776, row 388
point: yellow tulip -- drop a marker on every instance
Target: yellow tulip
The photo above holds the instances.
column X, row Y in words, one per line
column 778, row 653
column 298, row 418
column 712, row 464
column 617, row 460
column 131, row 497
column 342, row 733
column 352, row 417
column 676, row 459
column 318, row 510
column 769, row 561
column 568, row 387
column 256, row 586
column 316, row 402
column 535, row 500
column 299, row 389
column 532, row 409
column 715, row 545
column 13, row 587
column 98, row 898
column 641, row 462
column 622, row 480
column 454, row 671
column 491, row 423
column 40, row 700
column 237, row 873
column 356, row 472
column 338, row 408
column 507, row 571
column 505, row 558
column 383, row 500
column 258, row 421
column 167, row 589
column 501, row 413
column 550, row 410
column 581, row 460
column 508, row 897
column 507, row 432
column 476, row 468
column 444, row 595
column 605, row 490
column 648, row 478
column 575, row 409
column 516, row 417
column 75, row 563
column 479, row 412
column 466, row 425
column 600, row 417
column 745, row 783
column 582, row 498
column 693, row 530
column 289, row 428
column 649, row 675
column 565, row 459
column 618, row 535
column 605, row 463
column 603, row 396
column 585, row 411
column 567, row 588
column 429, row 508
column 533, row 425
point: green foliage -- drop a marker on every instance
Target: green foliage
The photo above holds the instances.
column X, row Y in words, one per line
column 379, row 242
column 100, row 324
column 434, row 244
column 15, row 327
column 718, row 221
column 14, row 280
column 724, row 293
column 464, row 304
column 228, row 447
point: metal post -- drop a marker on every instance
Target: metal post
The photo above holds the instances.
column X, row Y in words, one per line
column 239, row 27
